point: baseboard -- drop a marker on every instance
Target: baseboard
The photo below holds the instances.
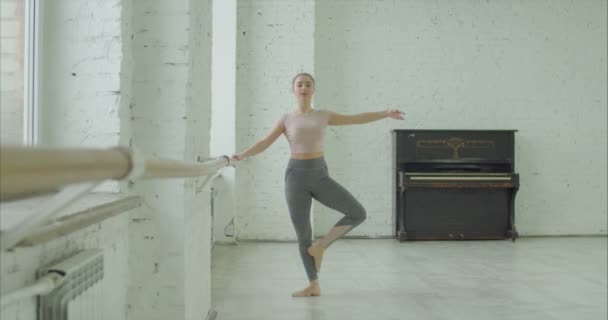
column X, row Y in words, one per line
column 265, row 241
column 564, row 236
column 316, row 238
column 393, row 237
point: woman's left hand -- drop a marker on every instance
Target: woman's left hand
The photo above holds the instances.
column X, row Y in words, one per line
column 395, row 114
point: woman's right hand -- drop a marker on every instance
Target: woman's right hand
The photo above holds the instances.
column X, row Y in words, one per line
column 395, row 114
column 236, row 157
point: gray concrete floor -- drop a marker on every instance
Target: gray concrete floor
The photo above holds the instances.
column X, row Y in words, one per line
column 533, row 278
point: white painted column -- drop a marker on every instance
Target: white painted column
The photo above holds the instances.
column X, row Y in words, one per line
column 169, row 115
column 223, row 123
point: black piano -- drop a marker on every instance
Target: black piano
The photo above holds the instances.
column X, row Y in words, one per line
column 454, row 184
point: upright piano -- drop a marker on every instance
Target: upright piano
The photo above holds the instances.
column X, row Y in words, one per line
column 454, row 184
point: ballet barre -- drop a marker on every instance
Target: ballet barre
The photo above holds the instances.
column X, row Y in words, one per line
column 71, row 173
column 27, row 171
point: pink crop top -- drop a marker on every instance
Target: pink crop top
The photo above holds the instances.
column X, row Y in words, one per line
column 304, row 132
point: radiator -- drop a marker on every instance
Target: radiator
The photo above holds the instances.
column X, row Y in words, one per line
column 80, row 295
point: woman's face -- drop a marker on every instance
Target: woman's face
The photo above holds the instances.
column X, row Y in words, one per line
column 303, row 87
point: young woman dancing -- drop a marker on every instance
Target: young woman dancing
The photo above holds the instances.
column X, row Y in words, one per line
column 307, row 177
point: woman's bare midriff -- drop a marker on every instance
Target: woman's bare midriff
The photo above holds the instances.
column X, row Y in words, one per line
column 306, row 156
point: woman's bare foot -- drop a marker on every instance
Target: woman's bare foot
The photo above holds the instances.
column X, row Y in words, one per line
column 313, row 290
column 316, row 251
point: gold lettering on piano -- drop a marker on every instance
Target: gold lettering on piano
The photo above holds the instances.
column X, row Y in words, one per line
column 455, row 144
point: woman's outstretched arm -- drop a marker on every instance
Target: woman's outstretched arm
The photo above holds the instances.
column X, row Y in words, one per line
column 337, row 119
column 263, row 144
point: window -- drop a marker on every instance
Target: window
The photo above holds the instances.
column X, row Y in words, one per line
column 17, row 71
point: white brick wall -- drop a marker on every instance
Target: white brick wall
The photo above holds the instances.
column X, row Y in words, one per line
column 534, row 66
column 80, row 69
column 11, row 71
column 520, row 65
column 80, row 63
column 274, row 42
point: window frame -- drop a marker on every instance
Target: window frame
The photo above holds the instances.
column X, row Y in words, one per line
column 31, row 71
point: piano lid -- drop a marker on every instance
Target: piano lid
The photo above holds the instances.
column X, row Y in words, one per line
column 489, row 148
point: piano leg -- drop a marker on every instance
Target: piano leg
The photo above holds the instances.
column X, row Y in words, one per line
column 401, row 234
column 513, row 232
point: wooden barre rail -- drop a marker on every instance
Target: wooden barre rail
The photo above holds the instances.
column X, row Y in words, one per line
column 31, row 170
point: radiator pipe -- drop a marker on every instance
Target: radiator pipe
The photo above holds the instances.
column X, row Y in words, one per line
column 42, row 286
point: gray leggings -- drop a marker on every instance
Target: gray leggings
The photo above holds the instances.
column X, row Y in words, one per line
column 308, row 179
